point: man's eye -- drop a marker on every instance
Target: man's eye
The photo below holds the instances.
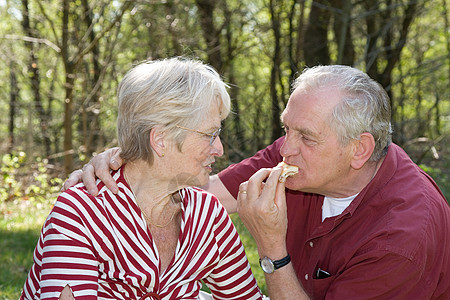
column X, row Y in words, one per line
column 307, row 139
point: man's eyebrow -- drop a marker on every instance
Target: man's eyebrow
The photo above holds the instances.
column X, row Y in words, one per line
column 304, row 131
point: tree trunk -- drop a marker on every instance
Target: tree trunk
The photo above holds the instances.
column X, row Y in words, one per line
column 392, row 48
column 69, row 81
column 54, row 131
column 371, row 55
column 447, row 37
column 171, row 14
column 234, row 91
column 295, row 44
column 14, row 92
column 342, row 30
column 33, row 68
column 68, row 113
column 276, row 62
column 71, row 65
column 210, row 33
column 92, row 106
column 315, row 47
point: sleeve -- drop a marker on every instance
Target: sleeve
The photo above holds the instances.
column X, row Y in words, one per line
column 67, row 253
column 235, row 174
column 232, row 278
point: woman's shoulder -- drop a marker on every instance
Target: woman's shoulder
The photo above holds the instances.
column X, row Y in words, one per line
column 196, row 196
column 76, row 201
column 79, row 194
column 202, row 207
column 75, row 196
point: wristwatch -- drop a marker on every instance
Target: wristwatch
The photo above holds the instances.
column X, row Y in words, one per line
column 269, row 266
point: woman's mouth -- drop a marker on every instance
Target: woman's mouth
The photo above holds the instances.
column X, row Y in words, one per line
column 209, row 167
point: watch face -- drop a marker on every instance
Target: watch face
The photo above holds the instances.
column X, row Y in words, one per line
column 267, row 265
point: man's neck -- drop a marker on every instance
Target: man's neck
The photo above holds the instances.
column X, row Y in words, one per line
column 356, row 180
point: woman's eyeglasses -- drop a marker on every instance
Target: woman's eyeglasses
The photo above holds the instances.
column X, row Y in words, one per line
column 213, row 135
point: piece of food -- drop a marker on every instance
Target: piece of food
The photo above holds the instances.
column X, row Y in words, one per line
column 288, row 170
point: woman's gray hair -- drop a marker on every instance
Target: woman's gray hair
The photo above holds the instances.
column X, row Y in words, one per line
column 365, row 106
column 166, row 93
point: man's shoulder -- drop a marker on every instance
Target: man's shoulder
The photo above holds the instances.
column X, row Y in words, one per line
column 400, row 177
column 409, row 216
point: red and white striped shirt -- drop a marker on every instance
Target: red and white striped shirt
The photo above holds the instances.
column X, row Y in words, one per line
column 102, row 248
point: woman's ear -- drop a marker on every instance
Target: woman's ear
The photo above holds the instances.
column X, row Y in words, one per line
column 157, row 141
column 363, row 149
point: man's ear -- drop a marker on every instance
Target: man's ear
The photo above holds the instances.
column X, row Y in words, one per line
column 157, row 141
column 363, row 149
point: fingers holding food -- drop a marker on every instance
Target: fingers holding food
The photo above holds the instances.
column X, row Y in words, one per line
column 288, row 170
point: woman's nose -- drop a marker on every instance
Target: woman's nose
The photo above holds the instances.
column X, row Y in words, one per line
column 217, row 147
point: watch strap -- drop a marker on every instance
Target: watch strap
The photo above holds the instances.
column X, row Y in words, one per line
column 282, row 262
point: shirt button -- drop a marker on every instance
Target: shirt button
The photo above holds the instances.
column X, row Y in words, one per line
column 306, row 276
column 311, row 244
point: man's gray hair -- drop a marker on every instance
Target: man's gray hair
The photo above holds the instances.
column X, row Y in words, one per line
column 365, row 106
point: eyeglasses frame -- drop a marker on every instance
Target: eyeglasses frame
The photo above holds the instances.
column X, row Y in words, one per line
column 213, row 135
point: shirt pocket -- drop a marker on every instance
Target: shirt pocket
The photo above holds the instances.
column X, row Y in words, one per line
column 320, row 286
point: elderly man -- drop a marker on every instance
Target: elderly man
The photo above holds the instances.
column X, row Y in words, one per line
column 359, row 221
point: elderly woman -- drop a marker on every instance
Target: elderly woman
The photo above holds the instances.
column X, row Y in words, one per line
column 158, row 237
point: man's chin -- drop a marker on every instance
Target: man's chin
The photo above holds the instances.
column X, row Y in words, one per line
column 296, row 185
column 292, row 185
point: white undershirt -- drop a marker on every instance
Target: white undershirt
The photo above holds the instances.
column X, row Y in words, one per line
column 335, row 206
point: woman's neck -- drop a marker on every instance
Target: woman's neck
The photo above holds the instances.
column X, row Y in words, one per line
column 146, row 182
column 154, row 196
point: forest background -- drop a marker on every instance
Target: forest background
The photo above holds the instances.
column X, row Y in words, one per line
column 61, row 61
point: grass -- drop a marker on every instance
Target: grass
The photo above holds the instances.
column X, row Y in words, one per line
column 251, row 251
column 20, row 225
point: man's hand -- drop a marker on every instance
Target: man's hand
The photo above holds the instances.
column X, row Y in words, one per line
column 99, row 166
column 262, row 209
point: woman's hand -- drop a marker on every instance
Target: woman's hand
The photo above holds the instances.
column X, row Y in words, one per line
column 99, row 166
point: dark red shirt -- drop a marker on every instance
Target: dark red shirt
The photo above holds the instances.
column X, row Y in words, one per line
column 392, row 242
